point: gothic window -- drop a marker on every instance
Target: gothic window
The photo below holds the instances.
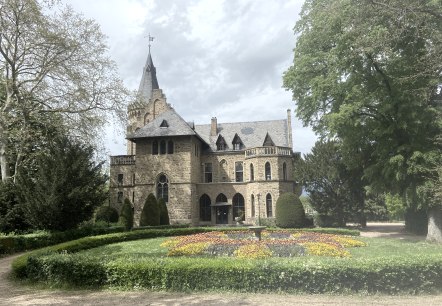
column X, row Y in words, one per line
column 284, row 171
column 238, row 206
column 205, row 208
column 221, row 144
column 221, row 198
column 268, row 171
column 120, row 197
column 170, row 147
column 252, row 173
column 120, row 179
column 252, row 200
column 162, row 147
column 269, row 208
column 163, row 188
column 155, row 147
column 238, row 171
column 208, row 173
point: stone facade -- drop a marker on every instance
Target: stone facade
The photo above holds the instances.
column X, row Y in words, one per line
column 208, row 174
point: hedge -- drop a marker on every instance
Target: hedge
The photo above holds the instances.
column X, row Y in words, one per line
column 18, row 243
column 19, row 265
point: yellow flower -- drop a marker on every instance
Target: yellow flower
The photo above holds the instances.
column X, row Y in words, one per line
column 253, row 251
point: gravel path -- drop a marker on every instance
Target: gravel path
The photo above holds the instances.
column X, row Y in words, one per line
column 15, row 294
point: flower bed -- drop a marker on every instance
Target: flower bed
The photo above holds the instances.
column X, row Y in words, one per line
column 243, row 244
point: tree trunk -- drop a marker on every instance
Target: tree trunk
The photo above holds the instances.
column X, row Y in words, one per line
column 435, row 224
column 4, row 164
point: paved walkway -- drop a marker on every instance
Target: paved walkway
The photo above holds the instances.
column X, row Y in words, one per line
column 15, row 294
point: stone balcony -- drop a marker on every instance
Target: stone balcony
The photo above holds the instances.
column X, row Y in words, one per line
column 122, row 160
column 266, row 151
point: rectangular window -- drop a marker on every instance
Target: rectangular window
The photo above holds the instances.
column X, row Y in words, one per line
column 120, row 179
column 208, row 173
column 133, row 179
column 120, row 197
column 238, row 171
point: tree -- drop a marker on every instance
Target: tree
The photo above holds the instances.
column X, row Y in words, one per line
column 150, row 215
column 127, row 215
column 289, row 211
column 369, row 73
column 12, row 217
column 65, row 187
column 52, row 61
column 164, row 213
column 106, row 214
column 332, row 189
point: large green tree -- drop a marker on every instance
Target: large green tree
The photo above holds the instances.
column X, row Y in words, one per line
column 64, row 188
column 370, row 73
column 52, row 61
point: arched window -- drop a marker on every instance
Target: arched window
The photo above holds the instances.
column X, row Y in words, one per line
column 154, row 147
column 162, row 147
column 269, row 208
column 238, row 206
column 268, row 171
column 252, row 173
column 170, row 147
column 205, row 209
column 221, row 198
column 163, row 188
column 284, row 171
column 224, row 175
column 238, row 171
column 252, row 200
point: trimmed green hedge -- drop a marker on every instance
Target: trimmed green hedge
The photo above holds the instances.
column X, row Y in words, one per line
column 18, row 243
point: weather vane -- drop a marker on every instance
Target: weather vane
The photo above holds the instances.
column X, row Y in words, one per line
column 150, row 39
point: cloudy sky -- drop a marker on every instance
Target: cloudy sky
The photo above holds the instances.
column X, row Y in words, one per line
column 213, row 57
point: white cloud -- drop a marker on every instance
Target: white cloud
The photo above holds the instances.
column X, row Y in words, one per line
column 213, row 57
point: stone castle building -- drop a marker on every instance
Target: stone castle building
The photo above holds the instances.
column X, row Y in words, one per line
column 208, row 174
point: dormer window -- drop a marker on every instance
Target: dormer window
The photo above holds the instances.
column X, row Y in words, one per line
column 164, row 124
column 221, row 144
column 237, row 143
column 268, row 142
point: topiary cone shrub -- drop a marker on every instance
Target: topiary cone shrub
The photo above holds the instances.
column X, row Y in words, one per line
column 164, row 213
column 106, row 214
column 289, row 211
column 150, row 215
column 127, row 215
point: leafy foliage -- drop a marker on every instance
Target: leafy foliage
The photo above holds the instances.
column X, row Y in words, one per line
column 289, row 211
column 66, row 187
column 150, row 215
column 12, row 217
column 127, row 215
column 164, row 213
column 106, row 214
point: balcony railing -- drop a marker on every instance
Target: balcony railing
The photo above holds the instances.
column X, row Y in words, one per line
column 261, row 151
column 123, row 160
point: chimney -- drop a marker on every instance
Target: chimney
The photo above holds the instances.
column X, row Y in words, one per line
column 213, row 127
column 289, row 128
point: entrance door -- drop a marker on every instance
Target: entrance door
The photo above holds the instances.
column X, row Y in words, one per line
column 221, row 214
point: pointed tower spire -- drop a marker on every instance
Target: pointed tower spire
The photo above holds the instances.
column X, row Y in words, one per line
column 149, row 80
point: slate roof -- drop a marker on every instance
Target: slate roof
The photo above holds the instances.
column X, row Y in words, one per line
column 177, row 126
column 252, row 134
column 148, row 80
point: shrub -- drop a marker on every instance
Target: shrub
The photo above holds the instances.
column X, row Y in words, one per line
column 289, row 211
column 127, row 215
column 164, row 213
column 12, row 217
column 106, row 214
column 150, row 215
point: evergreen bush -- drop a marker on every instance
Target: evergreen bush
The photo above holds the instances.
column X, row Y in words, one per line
column 127, row 215
column 150, row 215
column 289, row 211
column 164, row 213
column 106, row 214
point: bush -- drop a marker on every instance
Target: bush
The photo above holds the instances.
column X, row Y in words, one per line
column 127, row 215
column 106, row 214
column 289, row 211
column 164, row 213
column 12, row 217
column 150, row 215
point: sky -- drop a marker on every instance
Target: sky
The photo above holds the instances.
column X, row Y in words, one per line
column 214, row 58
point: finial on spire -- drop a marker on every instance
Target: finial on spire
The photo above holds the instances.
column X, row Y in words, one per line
column 151, row 38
